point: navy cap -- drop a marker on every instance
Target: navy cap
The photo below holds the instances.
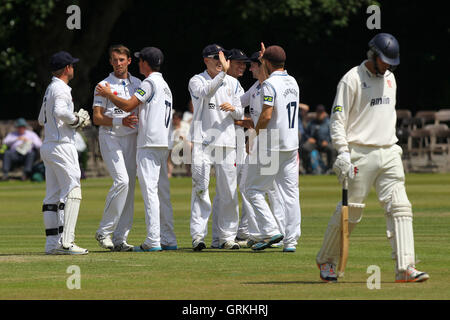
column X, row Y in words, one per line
column 61, row 59
column 255, row 57
column 212, row 51
column 236, row 54
column 152, row 55
column 21, row 122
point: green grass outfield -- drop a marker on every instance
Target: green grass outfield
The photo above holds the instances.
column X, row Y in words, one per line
column 26, row 273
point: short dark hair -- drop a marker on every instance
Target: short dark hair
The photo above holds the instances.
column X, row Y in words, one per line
column 119, row 48
column 275, row 55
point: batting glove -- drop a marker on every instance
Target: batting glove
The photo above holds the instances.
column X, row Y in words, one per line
column 84, row 119
column 344, row 167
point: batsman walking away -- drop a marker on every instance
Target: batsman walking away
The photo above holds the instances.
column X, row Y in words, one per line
column 363, row 132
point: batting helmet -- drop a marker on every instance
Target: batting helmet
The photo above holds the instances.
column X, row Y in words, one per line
column 386, row 47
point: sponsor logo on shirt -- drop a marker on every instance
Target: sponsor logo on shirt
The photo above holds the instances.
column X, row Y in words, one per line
column 118, row 111
column 268, row 99
column 337, row 109
column 377, row 101
column 140, row 92
column 211, row 106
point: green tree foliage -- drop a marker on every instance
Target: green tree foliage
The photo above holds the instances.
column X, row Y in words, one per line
column 314, row 17
column 15, row 63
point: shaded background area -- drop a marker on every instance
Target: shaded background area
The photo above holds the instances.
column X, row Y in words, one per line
column 323, row 39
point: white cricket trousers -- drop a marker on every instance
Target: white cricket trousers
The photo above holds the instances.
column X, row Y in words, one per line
column 153, row 179
column 223, row 159
column 119, row 155
column 62, row 175
column 62, row 170
column 286, row 181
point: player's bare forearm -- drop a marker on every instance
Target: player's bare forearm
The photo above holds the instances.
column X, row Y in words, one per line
column 246, row 123
column 124, row 104
column 99, row 117
column 264, row 118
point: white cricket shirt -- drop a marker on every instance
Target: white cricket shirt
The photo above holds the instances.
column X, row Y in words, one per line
column 281, row 91
column 210, row 125
column 155, row 112
column 123, row 88
column 56, row 114
column 364, row 109
column 253, row 99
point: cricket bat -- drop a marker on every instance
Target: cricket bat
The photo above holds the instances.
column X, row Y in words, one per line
column 344, row 230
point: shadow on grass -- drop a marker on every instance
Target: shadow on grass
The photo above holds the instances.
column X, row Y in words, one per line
column 42, row 254
column 309, row 282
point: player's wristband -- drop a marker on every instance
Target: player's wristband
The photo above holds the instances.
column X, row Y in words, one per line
column 117, row 122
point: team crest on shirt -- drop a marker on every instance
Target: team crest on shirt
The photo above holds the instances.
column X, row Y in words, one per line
column 140, row 92
column 268, row 99
column 389, row 83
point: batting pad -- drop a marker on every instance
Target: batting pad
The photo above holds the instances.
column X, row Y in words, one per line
column 330, row 250
column 71, row 209
column 400, row 228
column 51, row 226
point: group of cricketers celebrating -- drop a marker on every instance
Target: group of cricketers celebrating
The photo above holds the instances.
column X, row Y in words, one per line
column 254, row 153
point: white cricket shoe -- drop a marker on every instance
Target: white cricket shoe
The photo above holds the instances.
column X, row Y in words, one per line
column 411, row 275
column 243, row 243
column 104, row 241
column 72, row 250
column 327, row 272
column 230, row 245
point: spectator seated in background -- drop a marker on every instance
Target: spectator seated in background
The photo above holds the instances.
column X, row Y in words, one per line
column 178, row 135
column 303, row 111
column 317, row 137
column 187, row 115
column 23, row 147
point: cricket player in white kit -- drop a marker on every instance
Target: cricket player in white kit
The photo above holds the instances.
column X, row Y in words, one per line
column 248, row 226
column 212, row 133
column 62, row 170
column 117, row 139
column 154, row 99
column 280, row 94
column 237, row 68
column 363, row 132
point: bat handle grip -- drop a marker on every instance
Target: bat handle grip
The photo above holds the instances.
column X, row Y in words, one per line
column 345, row 192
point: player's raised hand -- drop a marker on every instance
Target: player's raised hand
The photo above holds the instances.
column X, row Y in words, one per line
column 227, row 107
column 130, row 121
column 225, row 63
column 103, row 91
column 261, row 52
